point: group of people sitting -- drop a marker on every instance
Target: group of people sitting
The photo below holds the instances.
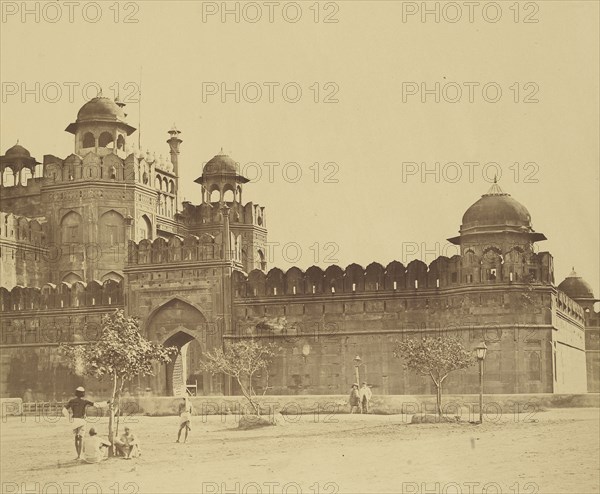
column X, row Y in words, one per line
column 359, row 398
column 93, row 447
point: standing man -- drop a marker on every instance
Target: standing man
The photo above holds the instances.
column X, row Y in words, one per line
column 354, row 399
column 75, row 410
column 365, row 397
column 185, row 418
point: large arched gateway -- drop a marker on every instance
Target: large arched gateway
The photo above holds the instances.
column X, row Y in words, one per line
column 181, row 324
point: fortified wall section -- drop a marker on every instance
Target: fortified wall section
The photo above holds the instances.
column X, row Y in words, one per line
column 34, row 321
column 24, row 200
column 324, row 318
column 469, row 270
column 22, row 251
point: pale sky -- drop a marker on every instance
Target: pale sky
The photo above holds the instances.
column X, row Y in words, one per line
column 371, row 212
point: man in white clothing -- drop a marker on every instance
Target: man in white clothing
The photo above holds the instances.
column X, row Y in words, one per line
column 365, row 397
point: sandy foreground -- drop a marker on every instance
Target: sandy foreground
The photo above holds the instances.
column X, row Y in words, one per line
column 554, row 451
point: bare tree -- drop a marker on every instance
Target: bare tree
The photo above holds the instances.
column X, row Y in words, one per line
column 435, row 357
column 241, row 360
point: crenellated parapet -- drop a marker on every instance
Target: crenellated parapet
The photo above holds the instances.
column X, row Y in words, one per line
column 209, row 213
column 441, row 273
column 190, row 248
column 22, row 230
column 61, row 296
column 568, row 306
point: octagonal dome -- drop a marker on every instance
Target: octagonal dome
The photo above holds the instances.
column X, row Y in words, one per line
column 221, row 164
column 100, row 108
column 497, row 212
column 496, row 208
column 576, row 287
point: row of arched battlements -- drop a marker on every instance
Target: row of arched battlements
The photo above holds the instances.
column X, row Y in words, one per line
column 63, row 295
column 94, row 166
column 442, row 272
column 249, row 213
column 17, row 227
column 568, row 305
column 162, row 251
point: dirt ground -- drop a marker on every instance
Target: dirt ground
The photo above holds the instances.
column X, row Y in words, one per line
column 554, row 451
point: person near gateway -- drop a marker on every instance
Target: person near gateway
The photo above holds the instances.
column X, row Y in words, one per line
column 185, row 418
column 75, row 410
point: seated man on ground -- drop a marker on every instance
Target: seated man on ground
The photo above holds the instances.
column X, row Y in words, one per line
column 127, row 445
column 95, row 449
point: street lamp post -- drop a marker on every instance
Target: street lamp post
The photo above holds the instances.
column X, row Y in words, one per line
column 481, row 351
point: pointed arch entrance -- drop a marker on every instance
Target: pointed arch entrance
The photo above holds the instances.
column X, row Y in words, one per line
column 182, row 324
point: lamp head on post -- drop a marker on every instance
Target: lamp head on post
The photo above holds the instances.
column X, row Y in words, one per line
column 357, row 361
column 481, row 350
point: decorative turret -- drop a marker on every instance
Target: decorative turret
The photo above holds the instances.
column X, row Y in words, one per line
column 496, row 219
column 101, row 128
column 17, row 158
column 579, row 290
column 221, row 181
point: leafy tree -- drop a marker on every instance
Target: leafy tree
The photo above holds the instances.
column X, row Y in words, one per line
column 435, row 357
column 120, row 354
column 241, row 360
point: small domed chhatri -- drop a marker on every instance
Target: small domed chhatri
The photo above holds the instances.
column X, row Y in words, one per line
column 576, row 287
column 17, row 157
column 222, row 165
column 17, row 151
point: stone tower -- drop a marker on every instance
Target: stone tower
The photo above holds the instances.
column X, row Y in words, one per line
column 496, row 235
column 222, row 185
column 105, row 194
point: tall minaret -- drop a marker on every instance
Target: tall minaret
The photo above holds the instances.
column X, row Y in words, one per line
column 174, row 142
